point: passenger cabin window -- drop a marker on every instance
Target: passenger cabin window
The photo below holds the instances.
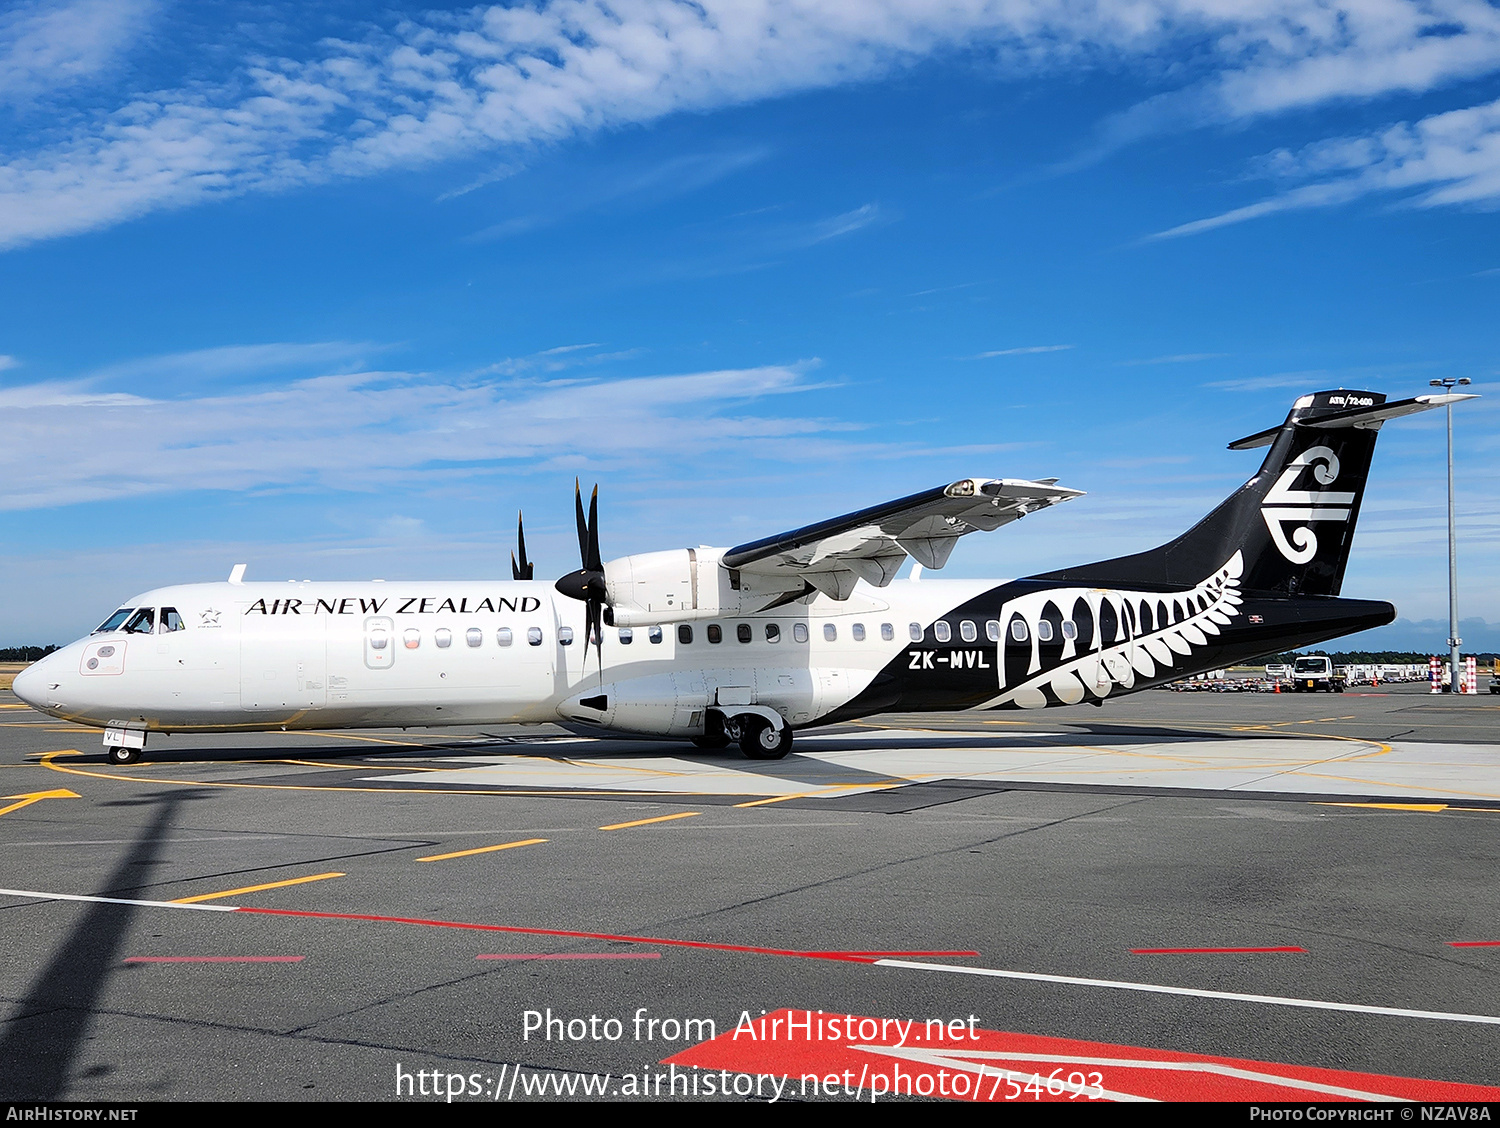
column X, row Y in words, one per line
column 942, row 630
column 1018, row 630
column 533, row 636
column 1044, row 630
column 967, row 631
column 858, row 631
column 684, row 634
column 715, row 633
column 114, row 621
column 474, row 636
column 565, row 635
column 171, row 621
column 627, row 636
column 443, row 637
column 654, row 634
column 773, row 632
column 1069, row 629
column 992, row 630
column 141, row 622
column 503, row 636
column 799, row 632
column 830, row 632
column 914, row 631
column 378, row 641
column 412, row 638
column 743, row 632
column 887, row 632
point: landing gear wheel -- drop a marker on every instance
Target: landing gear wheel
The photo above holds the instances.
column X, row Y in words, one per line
column 119, row 755
column 762, row 742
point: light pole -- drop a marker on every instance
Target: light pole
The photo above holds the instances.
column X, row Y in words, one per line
column 1454, row 642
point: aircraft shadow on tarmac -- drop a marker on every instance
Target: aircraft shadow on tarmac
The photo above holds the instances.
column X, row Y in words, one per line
column 42, row 1036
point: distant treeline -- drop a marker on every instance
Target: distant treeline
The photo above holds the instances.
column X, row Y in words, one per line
column 1373, row 657
column 24, row 653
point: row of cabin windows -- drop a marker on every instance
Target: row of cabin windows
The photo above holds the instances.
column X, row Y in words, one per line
column 968, row 631
column 442, row 638
column 1044, row 632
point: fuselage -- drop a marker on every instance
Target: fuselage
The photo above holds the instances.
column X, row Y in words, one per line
column 303, row 655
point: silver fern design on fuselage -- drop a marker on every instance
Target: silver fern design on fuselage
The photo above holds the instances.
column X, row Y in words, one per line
column 1110, row 638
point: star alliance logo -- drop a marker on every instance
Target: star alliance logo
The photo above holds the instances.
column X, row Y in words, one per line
column 208, row 617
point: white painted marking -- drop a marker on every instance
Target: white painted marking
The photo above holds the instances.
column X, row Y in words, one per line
column 956, row 1057
column 112, row 900
column 1160, row 989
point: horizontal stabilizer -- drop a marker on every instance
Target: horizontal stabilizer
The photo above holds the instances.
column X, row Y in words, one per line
column 1367, row 417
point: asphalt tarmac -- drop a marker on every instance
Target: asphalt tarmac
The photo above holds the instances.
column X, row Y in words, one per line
column 1201, row 896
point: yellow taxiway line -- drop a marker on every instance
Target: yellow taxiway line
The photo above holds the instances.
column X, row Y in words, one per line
column 659, row 818
column 482, row 850
column 254, row 888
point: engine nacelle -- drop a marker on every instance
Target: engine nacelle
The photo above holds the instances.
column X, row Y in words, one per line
column 670, row 587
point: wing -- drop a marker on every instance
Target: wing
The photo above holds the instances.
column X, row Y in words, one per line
column 871, row 544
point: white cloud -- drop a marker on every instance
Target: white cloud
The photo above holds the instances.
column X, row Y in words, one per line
column 486, row 78
column 1176, row 358
column 46, row 46
column 1024, row 351
column 228, row 362
column 66, row 443
column 1448, row 158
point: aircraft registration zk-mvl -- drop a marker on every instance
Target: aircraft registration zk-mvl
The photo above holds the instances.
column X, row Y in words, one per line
column 750, row 643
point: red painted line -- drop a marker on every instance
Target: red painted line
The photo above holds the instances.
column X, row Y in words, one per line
column 827, row 1053
column 1474, row 943
column 212, row 959
column 850, row 957
column 577, row 956
column 1195, row 951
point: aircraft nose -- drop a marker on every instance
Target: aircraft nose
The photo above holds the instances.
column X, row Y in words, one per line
column 30, row 685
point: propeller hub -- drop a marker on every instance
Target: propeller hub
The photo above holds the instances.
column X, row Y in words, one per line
column 584, row 585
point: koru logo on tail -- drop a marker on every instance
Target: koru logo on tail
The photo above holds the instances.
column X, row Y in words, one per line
column 1285, row 506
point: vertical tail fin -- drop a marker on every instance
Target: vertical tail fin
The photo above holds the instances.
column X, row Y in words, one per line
column 1294, row 521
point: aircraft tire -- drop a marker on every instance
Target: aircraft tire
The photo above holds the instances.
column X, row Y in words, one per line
column 762, row 742
column 120, row 756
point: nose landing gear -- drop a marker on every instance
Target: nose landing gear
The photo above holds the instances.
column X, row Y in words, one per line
column 122, row 745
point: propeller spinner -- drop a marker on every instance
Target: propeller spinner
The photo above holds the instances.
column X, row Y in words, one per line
column 587, row 584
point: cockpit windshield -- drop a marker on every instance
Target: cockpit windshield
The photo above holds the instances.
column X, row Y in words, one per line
column 141, row 622
column 114, row 621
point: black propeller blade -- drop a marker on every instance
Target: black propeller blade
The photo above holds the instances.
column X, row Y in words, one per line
column 587, row 584
column 522, row 569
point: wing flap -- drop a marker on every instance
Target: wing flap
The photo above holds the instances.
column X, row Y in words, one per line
column 871, row 544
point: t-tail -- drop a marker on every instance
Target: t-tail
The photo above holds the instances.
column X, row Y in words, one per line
column 1293, row 522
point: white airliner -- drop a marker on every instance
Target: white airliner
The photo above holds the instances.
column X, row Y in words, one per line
column 750, row 643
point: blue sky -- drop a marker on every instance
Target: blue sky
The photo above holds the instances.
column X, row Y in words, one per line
column 334, row 293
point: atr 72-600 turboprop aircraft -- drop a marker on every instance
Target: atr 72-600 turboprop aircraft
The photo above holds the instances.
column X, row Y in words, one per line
column 749, row 643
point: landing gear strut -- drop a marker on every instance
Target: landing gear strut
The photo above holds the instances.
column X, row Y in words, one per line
column 713, row 733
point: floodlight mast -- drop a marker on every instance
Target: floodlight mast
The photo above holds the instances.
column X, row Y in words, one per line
column 1454, row 642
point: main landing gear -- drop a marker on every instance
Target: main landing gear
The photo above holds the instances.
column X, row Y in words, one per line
column 759, row 737
column 761, row 741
